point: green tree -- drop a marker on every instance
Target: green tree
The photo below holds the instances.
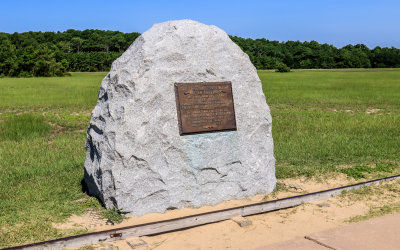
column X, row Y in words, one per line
column 77, row 43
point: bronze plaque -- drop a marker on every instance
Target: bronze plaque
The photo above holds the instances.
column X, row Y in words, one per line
column 205, row 107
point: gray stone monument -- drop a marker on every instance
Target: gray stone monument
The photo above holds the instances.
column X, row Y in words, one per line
column 181, row 121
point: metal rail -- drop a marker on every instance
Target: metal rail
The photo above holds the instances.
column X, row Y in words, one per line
column 180, row 223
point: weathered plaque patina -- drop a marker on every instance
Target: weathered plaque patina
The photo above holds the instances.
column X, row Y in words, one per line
column 205, row 107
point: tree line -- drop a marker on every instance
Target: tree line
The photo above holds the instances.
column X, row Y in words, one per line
column 56, row 53
column 266, row 54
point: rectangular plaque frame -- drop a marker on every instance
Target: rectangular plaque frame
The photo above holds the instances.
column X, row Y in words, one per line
column 205, row 107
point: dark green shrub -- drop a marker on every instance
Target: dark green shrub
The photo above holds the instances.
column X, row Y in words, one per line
column 282, row 68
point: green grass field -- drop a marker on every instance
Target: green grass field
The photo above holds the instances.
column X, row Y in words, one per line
column 324, row 122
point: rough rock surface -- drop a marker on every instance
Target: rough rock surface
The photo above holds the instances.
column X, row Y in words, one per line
column 137, row 161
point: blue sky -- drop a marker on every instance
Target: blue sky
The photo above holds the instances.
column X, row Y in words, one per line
column 337, row 22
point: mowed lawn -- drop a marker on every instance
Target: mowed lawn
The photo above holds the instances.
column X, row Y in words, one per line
column 324, row 122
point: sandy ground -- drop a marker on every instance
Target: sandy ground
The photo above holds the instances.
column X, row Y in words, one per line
column 266, row 228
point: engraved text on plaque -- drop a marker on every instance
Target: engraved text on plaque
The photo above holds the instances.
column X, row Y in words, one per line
column 205, row 107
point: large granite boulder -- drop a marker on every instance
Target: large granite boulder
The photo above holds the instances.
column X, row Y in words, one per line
column 138, row 162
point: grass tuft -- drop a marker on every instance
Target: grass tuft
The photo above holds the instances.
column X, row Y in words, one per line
column 376, row 211
column 24, row 126
column 113, row 215
column 359, row 172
